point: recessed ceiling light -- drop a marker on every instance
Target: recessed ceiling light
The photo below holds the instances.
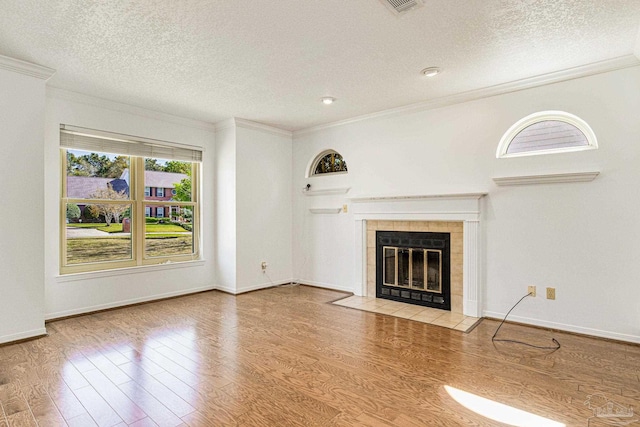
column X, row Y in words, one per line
column 430, row 72
column 327, row 100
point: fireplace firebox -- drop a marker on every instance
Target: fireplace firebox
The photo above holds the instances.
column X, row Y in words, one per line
column 414, row 267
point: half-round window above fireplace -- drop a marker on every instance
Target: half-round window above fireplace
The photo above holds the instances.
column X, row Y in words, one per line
column 328, row 162
column 547, row 132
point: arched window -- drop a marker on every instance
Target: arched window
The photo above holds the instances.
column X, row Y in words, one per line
column 328, row 161
column 547, row 132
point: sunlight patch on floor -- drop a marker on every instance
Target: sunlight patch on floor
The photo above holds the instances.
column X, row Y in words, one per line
column 498, row 411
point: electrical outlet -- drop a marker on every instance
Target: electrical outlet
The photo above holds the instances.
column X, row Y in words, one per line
column 551, row 293
column 264, row 265
column 532, row 290
column 344, row 208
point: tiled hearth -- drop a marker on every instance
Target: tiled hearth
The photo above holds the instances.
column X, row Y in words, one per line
column 432, row 316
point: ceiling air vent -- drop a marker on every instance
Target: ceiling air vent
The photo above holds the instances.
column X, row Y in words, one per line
column 401, row 6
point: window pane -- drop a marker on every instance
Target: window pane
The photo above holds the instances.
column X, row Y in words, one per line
column 547, row 135
column 91, row 239
column 167, row 179
column 330, row 163
column 94, row 175
column 171, row 234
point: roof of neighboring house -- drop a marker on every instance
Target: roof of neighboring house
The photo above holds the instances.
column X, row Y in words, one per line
column 82, row 187
column 162, row 179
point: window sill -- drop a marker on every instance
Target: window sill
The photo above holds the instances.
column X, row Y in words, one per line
column 63, row 278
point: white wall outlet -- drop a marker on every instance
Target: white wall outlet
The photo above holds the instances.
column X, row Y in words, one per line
column 264, row 265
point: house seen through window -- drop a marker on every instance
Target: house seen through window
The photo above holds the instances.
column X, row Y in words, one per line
column 126, row 210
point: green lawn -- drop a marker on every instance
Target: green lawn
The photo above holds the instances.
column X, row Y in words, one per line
column 81, row 251
column 117, row 228
column 168, row 246
column 164, row 228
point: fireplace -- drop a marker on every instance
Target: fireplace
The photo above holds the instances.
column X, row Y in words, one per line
column 456, row 214
column 414, row 267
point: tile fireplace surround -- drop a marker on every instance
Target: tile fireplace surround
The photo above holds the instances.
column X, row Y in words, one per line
column 458, row 214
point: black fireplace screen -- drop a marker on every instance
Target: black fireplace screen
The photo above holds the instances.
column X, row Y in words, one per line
column 414, row 267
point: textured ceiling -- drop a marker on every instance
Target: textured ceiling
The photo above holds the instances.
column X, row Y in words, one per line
column 272, row 61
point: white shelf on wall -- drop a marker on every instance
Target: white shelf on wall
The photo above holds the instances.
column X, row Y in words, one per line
column 325, row 210
column 547, row 179
column 326, row 192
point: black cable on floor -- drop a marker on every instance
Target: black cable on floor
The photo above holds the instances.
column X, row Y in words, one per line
column 494, row 339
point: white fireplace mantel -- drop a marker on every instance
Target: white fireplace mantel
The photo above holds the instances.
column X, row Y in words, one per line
column 441, row 207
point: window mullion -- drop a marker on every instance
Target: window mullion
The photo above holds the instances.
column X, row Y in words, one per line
column 63, row 209
column 137, row 197
column 195, row 197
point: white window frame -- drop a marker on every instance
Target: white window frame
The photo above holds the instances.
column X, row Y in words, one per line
column 160, row 212
column 147, row 191
column 147, row 210
column 159, row 192
column 543, row 116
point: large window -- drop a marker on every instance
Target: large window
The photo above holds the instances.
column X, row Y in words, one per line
column 109, row 219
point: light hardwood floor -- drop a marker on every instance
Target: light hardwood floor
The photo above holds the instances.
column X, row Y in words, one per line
column 285, row 357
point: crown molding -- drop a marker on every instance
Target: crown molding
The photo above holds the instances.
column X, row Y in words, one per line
column 225, row 124
column 501, row 89
column 26, row 68
column 248, row 124
column 68, row 95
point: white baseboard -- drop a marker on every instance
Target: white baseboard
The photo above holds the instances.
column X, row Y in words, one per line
column 569, row 328
column 324, row 285
column 226, row 289
column 23, row 335
column 259, row 286
column 83, row 310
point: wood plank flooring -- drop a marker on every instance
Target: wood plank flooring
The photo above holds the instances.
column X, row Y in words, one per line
column 287, row 357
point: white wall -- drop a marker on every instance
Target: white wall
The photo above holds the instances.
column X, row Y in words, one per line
column 72, row 294
column 581, row 238
column 253, row 176
column 264, row 160
column 225, row 194
column 22, row 228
